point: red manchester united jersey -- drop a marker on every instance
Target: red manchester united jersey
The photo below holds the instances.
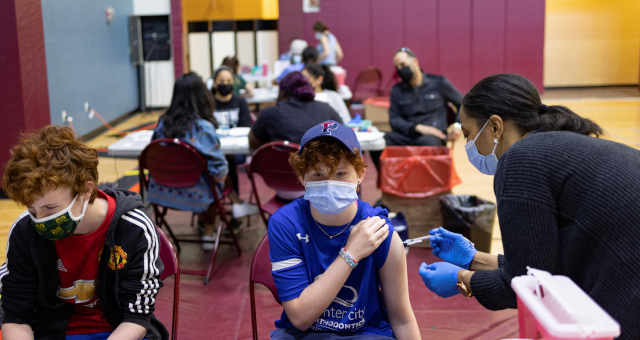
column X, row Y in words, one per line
column 78, row 261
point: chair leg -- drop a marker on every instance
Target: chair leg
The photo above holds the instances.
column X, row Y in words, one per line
column 176, row 305
column 162, row 222
column 252, row 302
column 214, row 252
column 225, row 220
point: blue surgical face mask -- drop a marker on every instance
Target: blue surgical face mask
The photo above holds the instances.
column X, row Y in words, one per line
column 318, row 36
column 296, row 59
column 486, row 164
column 330, row 197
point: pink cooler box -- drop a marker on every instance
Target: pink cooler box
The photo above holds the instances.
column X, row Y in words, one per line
column 554, row 307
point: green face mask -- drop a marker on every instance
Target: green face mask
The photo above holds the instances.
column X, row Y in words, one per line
column 59, row 225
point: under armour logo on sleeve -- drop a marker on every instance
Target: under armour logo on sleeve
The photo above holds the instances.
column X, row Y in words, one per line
column 305, row 237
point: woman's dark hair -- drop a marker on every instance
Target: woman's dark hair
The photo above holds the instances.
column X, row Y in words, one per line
column 220, row 69
column 231, row 62
column 514, row 98
column 295, row 85
column 315, row 70
column 190, row 101
column 310, row 55
column 319, row 26
column 329, row 82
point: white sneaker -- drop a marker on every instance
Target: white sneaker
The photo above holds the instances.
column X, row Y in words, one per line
column 207, row 246
column 243, row 209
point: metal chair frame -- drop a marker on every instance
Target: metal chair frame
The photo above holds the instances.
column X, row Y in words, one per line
column 185, row 175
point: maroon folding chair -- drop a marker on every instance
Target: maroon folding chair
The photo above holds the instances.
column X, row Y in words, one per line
column 271, row 162
column 171, row 267
column 367, row 84
column 395, row 78
column 176, row 164
column 260, row 272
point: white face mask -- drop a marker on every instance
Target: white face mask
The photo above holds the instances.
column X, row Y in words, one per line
column 330, row 197
column 318, row 35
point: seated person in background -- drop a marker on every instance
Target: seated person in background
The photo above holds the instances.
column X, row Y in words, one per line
column 324, row 84
column 240, row 86
column 189, row 119
column 231, row 110
column 294, row 44
column 309, row 56
column 418, row 105
column 82, row 263
column 294, row 113
column 338, row 265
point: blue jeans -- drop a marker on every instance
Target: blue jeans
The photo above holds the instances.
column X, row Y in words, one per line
column 91, row 336
column 294, row 334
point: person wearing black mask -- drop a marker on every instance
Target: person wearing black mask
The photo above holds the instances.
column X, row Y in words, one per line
column 418, row 105
column 230, row 110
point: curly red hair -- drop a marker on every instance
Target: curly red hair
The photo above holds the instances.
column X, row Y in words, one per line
column 325, row 150
column 48, row 159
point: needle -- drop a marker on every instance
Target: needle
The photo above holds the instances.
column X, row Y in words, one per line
column 412, row 241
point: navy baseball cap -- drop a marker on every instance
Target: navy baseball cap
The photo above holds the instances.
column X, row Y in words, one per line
column 331, row 128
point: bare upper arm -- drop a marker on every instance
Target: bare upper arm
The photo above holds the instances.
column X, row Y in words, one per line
column 394, row 279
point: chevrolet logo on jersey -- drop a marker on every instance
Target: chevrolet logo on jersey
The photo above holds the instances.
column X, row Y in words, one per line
column 82, row 291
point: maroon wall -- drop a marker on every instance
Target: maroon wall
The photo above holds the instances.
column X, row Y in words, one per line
column 464, row 40
column 24, row 98
column 177, row 38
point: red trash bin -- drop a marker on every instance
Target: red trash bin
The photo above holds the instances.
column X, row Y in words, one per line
column 417, row 171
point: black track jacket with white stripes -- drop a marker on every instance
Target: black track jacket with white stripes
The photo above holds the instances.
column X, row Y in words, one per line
column 127, row 283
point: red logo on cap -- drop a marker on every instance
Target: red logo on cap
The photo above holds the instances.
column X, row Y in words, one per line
column 329, row 126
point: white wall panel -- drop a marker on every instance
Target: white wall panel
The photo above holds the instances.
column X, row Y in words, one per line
column 159, row 81
column 199, row 61
column 267, row 47
column 223, row 45
column 151, row 7
column 246, row 50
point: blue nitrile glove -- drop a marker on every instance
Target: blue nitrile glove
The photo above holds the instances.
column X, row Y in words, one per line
column 440, row 277
column 452, row 247
column 356, row 120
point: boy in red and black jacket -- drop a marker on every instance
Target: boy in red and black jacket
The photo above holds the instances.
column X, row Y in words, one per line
column 81, row 262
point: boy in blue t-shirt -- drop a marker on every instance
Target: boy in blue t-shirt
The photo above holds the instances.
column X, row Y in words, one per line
column 339, row 267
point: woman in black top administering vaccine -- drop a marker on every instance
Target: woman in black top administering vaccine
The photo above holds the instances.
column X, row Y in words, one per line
column 568, row 203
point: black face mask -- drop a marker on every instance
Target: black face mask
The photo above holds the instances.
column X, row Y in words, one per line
column 405, row 74
column 224, row 89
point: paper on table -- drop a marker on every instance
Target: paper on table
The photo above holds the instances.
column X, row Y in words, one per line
column 234, row 132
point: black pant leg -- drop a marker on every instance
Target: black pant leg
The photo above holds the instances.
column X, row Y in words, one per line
column 428, row 140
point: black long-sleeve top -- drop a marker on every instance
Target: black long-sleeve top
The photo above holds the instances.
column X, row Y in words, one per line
column 425, row 104
column 570, row 204
column 233, row 113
